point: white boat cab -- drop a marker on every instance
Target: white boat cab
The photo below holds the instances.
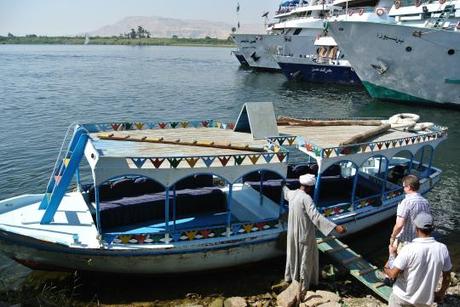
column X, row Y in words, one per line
column 181, row 196
column 295, row 23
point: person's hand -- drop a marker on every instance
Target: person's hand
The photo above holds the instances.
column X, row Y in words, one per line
column 340, row 229
column 439, row 297
column 392, row 249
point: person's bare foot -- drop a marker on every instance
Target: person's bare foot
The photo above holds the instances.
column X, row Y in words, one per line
column 281, row 286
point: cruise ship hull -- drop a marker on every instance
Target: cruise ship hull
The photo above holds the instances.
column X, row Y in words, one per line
column 403, row 63
column 258, row 49
column 303, row 69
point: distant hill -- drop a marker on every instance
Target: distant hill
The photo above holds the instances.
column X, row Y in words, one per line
column 167, row 27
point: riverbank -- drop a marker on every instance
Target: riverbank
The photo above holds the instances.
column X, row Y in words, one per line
column 152, row 41
column 75, row 289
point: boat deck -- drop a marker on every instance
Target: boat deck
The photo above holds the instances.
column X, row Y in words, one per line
column 216, row 141
column 172, row 142
column 332, row 136
column 73, row 217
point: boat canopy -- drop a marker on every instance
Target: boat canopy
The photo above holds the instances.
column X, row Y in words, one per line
column 323, row 143
column 325, row 41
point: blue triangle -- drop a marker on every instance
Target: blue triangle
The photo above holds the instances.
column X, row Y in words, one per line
column 208, row 160
column 139, row 161
column 268, row 157
column 109, row 238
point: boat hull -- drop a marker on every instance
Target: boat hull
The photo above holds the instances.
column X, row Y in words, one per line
column 319, row 73
column 258, row 49
column 241, row 59
column 38, row 254
column 391, row 60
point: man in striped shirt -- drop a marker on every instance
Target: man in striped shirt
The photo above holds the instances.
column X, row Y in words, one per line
column 408, row 209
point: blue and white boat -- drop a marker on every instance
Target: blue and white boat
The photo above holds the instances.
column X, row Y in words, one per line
column 325, row 66
column 169, row 197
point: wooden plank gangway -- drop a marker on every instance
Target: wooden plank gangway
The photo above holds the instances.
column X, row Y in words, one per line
column 363, row 271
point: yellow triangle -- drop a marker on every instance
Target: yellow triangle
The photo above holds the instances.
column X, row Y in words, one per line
column 66, row 161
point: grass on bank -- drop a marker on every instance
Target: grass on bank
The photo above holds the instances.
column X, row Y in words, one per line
column 152, row 41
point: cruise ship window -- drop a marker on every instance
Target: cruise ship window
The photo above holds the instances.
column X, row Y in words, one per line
column 297, row 31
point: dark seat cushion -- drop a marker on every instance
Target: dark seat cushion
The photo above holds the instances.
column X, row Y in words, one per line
column 151, row 207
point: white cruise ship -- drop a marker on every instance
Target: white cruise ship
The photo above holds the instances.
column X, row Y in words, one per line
column 415, row 59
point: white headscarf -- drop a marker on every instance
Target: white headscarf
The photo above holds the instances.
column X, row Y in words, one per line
column 307, row 179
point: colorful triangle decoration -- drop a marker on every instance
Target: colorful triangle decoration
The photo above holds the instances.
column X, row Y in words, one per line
column 239, row 159
column 224, row 160
column 173, row 124
column 57, row 179
column 184, row 124
column 281, row 156
column 268, row 157
column 139, row 162
column 157, row 162
column 208, row 160
column 192, row 161
column 66, row 161
column 139, row 126
column 174, row 162
column 254, row 158
column 115, row 126
column 176, row 236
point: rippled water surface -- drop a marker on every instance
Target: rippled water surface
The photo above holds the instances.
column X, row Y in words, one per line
column 43, row 89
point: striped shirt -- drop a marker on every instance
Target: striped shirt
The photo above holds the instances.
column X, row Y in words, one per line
column 408, row 209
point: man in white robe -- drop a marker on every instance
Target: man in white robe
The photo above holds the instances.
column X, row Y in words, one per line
column 302, row 263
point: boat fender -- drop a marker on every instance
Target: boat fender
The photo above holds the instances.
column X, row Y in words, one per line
column 350, row 13
column 422, row 126
column 361, row 11
column 418, row 3
column 398, row 4
column 403, row 120
column 380, row 11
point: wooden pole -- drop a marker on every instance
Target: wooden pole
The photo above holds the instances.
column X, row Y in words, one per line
column 161, row 140
column 290, row 121
column 363, row 137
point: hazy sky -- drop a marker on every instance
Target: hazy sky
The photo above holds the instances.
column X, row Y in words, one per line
column 69, row 17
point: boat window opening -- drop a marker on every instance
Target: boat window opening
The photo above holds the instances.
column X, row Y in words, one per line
column 297, row 31
column 408, row 48
column 399, row 166
column 422, row 162
column 451, row 52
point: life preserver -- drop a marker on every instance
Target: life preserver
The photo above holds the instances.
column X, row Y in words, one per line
column 398, row 4
column 418, row 3
column 361, row 11
column 350, row 13
column 322, row 52
column 403, row 120
column 422, row 126
column 380, row 11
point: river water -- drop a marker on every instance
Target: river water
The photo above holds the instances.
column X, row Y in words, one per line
column 43, row 89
